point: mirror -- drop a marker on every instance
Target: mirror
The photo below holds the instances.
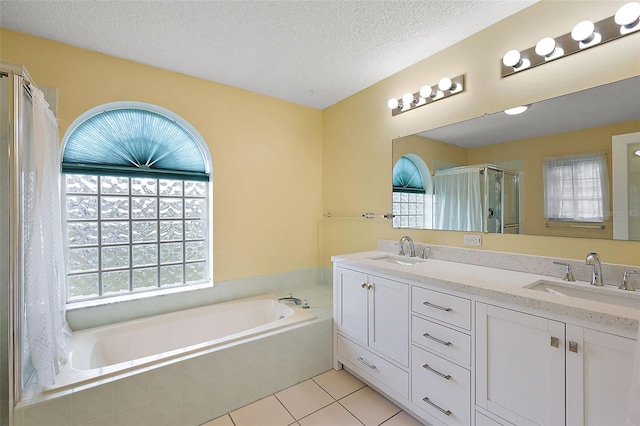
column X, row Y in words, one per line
column 584, row 122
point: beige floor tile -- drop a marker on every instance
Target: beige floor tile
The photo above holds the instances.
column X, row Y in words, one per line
column 265, row 412
column 332, row 415
column 220, row 421
column 401, row 419
column 339, row 383
column 304, row 398
column 369, row 406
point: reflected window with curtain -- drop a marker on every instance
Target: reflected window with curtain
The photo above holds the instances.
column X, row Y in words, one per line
column 576, row 188
column 412, row 195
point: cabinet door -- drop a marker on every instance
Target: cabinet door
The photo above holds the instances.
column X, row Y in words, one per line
column 520, row 366
column 599, row 375
column 352, row 300
column 389, row 319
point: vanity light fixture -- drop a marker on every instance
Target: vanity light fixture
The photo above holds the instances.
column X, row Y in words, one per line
column 445, row 88
column 516, row 110
column 585, row 34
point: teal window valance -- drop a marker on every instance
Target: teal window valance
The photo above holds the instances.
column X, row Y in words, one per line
column 132, row 141
column 407, row 177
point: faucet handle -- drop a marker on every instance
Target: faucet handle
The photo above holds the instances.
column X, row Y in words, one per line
column 626, row 284
column 425, row 250
column 568, row 273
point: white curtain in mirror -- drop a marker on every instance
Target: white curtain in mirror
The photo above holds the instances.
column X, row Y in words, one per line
column 576, row 188
column 457, row 200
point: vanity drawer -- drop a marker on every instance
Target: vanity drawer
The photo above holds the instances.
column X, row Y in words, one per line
column 441, row 388
column 441, row 306
column 370, row 365
column 449, row 343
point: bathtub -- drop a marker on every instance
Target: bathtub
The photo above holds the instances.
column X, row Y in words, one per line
column 103, row 352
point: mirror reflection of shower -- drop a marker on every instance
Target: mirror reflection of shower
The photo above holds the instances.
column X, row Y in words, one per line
column 479, row 198
column 626, row 186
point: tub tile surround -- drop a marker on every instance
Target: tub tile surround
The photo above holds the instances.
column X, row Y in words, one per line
column 195, row 389
column 500, row 277
column 281, row 284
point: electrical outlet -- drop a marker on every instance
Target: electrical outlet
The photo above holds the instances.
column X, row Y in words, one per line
column 473, row 240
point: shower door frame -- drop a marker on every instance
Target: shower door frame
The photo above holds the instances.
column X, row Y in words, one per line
column 20, row 81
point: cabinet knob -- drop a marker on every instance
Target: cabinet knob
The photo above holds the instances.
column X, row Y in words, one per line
column 555, row 342
column 573, row 346
column 364, row 285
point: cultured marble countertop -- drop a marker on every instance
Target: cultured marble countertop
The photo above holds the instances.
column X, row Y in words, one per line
column 500, row 285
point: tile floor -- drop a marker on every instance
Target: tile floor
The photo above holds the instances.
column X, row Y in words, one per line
column 334, row 398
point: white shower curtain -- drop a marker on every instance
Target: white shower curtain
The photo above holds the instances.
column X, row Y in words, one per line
column 458, row 205
column 44, row 259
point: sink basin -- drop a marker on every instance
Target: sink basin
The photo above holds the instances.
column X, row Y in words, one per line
column 399, row 260
column 609, row 295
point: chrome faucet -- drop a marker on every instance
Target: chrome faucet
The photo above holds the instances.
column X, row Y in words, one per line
column 290, row 299
column 596, row 274
column 568, row 273
column 626, row 284
column 412, row 247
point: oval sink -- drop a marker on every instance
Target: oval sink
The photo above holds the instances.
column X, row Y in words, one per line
column 399, row 260
column 609, row 295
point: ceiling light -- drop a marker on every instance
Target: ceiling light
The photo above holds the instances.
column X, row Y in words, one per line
column 628, row 17
column 637, row 153
column 516, row 110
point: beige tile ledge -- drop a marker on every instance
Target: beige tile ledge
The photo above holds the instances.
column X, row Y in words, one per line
column 497, row 284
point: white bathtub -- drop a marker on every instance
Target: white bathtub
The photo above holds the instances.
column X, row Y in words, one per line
column 108, row 351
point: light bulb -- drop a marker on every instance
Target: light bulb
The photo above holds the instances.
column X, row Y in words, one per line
column 516, row 110
column 637, row 153
column 407, row 99
column 548, row 48
column 426, row 92
column 584, row 33
column 446, row 84
column 628, row 17
column 512, row 59
column 393, row 103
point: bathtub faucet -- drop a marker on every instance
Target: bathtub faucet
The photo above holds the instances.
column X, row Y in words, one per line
column 290, row 299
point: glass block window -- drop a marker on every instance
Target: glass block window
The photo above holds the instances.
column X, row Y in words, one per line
column 412, row 205
column 128, row 234
column 136, row 188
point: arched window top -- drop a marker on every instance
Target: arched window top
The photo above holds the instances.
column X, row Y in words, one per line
column 135, row 139
column 407, row 176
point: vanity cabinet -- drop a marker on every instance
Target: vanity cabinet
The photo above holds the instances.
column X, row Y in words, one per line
column 534, row 370
column 441, row 355
column 372, row 324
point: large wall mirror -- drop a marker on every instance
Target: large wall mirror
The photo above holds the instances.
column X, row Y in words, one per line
column 496, row 173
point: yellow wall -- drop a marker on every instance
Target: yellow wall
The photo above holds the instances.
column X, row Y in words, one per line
column 267, row 153
column 278, row 166
column 358, row 131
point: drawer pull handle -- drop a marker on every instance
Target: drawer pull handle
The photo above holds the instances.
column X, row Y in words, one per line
column 435, row 339
column 444, row 376
column 431, row 305
column 442, row 410
column 371, row 366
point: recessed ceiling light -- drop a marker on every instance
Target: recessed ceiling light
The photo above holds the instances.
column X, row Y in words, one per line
column 516, row 110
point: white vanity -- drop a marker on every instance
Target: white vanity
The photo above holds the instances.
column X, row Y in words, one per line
column 460, row 344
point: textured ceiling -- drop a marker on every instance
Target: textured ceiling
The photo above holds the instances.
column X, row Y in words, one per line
column 313, row 53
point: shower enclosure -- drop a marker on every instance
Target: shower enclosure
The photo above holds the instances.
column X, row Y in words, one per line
column 15, row 111
column 478, row 198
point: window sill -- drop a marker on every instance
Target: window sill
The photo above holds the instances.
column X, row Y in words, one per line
column 76, row 306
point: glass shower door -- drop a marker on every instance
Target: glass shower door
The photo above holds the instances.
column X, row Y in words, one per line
column 4, row 250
